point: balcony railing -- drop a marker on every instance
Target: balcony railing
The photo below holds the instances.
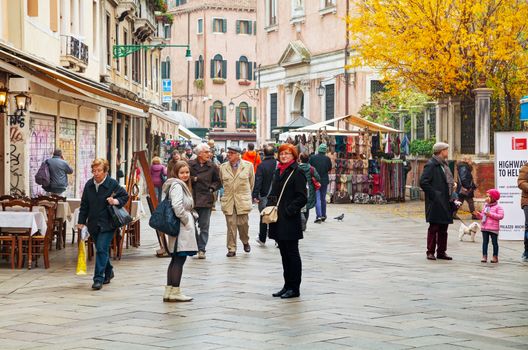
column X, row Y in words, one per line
column 73, row 48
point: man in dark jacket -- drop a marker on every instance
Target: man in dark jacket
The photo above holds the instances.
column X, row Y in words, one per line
column 438, row 184
column 261, row 190
column 59, row 170
column 322, row 163
column 101, row 192
column 466, row 187
column 205, row 181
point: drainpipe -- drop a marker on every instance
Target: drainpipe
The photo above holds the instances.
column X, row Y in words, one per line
column 188, row 63
column 347, row 43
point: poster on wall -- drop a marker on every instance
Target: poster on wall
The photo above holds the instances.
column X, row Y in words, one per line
column 41, row 146
column 88, row 137
column 511, row 153
column 67, row 143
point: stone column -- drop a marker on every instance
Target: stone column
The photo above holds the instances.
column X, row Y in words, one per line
column 413, row 126
column 426, row 117
column 453, row 126
column 75, row 18
column 288, row 90
column 441, row 120
column 65, row 18
column 306, row 91
column 482, row 121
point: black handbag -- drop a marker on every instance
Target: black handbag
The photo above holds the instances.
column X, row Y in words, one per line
column 120, row 216
column 164, row 220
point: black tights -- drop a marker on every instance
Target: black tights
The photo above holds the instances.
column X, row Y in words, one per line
column 175, row 270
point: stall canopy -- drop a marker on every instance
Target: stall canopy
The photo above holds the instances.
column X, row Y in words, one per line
column 161, row 123
column 299, row 122
column 189, row 135
column 372, row 126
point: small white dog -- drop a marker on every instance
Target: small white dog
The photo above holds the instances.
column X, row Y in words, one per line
column 470, row 230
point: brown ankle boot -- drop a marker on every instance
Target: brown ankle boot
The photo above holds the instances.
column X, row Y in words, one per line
column 484, row 259
column 494, row 260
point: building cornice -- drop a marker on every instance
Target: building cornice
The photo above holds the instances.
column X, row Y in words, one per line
column 213, row 5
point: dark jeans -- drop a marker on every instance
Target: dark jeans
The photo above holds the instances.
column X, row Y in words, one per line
column 525, row 208
column 494, row 240
column 102, row 257
column 437, row 239
column 263, row 228
column 291, row 264
column 204, row 218
column 320, row 201
column 159, row 193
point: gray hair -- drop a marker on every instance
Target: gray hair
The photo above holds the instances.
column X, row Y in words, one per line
column 202, row 147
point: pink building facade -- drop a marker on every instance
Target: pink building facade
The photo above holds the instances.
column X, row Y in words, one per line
column 301, row 47
column 218, row 86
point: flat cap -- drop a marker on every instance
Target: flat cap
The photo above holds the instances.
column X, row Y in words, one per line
column 440, row 146
column 235, row 149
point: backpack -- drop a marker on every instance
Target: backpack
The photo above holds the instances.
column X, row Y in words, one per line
column 42, row 177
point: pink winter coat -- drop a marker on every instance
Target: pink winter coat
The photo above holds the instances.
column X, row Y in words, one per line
column 155, row 173
column 491, row 220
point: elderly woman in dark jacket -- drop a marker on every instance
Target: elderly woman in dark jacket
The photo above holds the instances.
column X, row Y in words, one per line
column 287, row 231
column 101, row 192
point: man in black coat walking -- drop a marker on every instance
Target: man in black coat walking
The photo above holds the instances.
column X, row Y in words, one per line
column 322, row 163
column 438, row 184
column 261, row 190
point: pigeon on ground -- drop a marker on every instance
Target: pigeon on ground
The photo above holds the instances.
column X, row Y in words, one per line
column 340, row 217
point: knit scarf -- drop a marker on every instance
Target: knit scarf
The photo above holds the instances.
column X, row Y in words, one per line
column 283, row 166
column 449, row 175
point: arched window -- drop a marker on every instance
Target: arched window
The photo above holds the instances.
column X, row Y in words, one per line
column 218, row 115
column 244, row 116
column 199, row 68
column 243, row 69
column 218, row 67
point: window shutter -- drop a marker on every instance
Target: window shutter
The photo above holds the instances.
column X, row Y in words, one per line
column 238, row 70
column 249, row 117
column 250, row 70
column 255, row 71
column 250, row 31
column 224, row 117
column 224, row 69
column 196, row 70
column 238, row 27
column 211, row 115
column 255, row 28
column 238, row 117
column 212, row 68
column 224, row 25
column 214, row 26
column 254, row 114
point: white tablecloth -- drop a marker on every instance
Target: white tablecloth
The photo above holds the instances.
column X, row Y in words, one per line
column 74, row 203
column 20, row 219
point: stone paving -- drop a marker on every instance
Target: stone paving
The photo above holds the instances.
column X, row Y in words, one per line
column 366, row 285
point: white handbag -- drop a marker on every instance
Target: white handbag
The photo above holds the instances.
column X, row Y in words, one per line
column 270, row 214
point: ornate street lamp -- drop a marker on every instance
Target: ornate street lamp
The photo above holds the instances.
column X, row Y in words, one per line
column 231, row 105
column 3, row 100
column 22, row 102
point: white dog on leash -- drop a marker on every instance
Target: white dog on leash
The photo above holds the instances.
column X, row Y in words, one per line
column 470, row 230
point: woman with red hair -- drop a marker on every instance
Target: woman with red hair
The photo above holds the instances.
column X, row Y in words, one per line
column 288, row 189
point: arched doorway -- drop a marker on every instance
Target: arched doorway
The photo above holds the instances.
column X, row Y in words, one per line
column 298, row 105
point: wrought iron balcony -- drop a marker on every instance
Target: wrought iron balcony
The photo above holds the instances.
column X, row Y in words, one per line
column 74, row 53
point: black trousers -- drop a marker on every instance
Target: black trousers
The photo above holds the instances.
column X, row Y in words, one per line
column 525, row 208
column 291, row 264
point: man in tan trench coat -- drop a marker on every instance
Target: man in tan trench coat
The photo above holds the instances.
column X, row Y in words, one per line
column 238, row 178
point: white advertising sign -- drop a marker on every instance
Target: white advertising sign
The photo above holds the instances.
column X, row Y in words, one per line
column 511, row 153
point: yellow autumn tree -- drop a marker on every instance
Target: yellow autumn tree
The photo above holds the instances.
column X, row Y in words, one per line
column 445, row 47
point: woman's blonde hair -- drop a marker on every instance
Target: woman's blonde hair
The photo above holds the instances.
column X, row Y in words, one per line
column 156, row 160
column 176, row 169
column 101, row 161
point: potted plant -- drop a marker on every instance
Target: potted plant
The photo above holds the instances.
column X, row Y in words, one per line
column 199, row 84
column 218, row 81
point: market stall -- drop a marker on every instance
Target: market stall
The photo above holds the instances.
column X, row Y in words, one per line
column 365, row 155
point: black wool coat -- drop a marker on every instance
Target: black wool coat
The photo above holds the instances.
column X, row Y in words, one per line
column 264, row 177
column 465, row 179
column 208, row 181
column 94, row 211
column 438, row 206
column 288, row 226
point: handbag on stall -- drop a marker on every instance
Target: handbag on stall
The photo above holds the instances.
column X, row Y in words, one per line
column 270, row 214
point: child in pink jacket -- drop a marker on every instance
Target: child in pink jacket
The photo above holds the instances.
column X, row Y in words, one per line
column 491, row 216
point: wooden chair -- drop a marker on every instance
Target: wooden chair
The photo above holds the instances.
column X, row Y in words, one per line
column 8, row 240
column 17, row 203
column 8, row 248
column 59, row 224
column 38, row 244
column 6, row 198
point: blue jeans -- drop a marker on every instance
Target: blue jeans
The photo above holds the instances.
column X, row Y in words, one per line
column 320, row 201
column 204, row 218
column 102, row 257
column 485, row 241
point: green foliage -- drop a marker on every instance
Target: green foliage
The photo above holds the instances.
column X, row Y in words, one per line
column 422, row 148
column 199, row 84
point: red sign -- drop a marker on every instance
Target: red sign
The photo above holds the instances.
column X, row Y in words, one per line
column 519, row 144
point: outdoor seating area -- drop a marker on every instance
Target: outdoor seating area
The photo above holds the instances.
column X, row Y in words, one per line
column 30, row 228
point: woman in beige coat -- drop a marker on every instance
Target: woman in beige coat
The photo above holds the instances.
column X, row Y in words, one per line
column 178, row 189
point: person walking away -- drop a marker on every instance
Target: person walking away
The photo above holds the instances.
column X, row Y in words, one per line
column 158, row 174
column 287, row 231
column 311, row 174
column 237, row 178
column 466, row 187
column 175, row 157
column 522, row 182
column 263, row 179
column 252, row 156
column 205, row 180
column 322, row 163
column 59, row 170
column 189, row 155
column 406, row 168
column 437, row 182
column 491, row 215
column 179, row 190
column 101, row 192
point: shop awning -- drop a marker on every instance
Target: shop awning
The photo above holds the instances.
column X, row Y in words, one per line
column 46, row 76
column 189, row 135
column 161, row 123
column 372, row 126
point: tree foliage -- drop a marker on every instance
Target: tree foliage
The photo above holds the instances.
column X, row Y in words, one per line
column 445, row 47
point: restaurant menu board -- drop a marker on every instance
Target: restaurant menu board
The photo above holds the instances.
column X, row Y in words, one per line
column 87, row 145
column 41, row 146
column 67, row 145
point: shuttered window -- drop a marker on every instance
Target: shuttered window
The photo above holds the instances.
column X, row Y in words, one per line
column 273, row 112
column 244, row 27
column 218, row 67
column 329, row 102
column 218, row 115
column 219, row 25
column 244, row 69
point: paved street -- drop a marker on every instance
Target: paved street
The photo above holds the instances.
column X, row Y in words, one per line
column 366, row 285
